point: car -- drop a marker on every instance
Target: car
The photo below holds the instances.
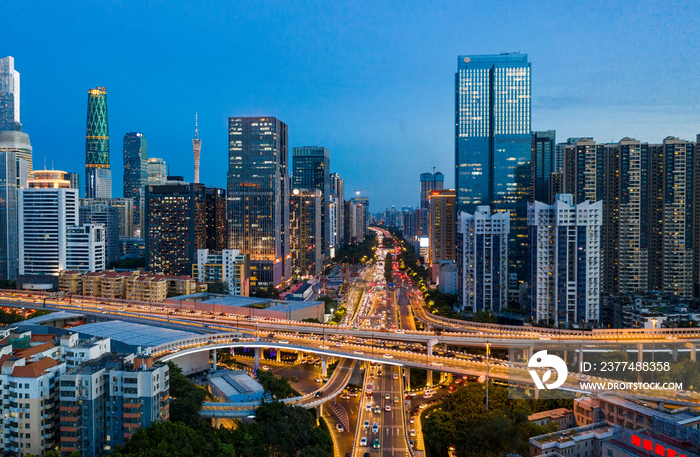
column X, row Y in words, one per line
column 353, row 393
column 345, row 397
column 412, row 420
column 377, row 409
column 396, row 399
column 423, row 405
column 265, row 368
column 368, row 408
column 387, row 396
column 410, row 443
column 359, row 353
column 412, row 432
column 367, row 424
column 317, row 379
column 438, row 364
column 394, row 376
column 294, row 379
column 363, row 441
column 371, row 375
column 338, row 345
column 387, row 407
column 323, row 346
column 340, row 428
column 388, row 356
column 283, row 342
column 376, row 444
column 318, row 394
column 375, row 427
column 682, row 393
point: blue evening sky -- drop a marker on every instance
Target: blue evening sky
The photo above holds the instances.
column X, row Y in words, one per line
column 372, row 81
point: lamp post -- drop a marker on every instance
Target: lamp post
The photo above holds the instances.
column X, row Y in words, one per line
column 653, row 343
column 488, row 351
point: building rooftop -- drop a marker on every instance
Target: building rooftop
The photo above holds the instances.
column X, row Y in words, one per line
column 34, row 369
column 58, row 315
column 574, row 434
column 236, row 385
column 133, row 334
column 552, row 413
column 679, row 413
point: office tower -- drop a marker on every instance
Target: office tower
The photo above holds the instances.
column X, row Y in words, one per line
column 108, row 399
column 73, row 179
column 136, row 171
column 9, row 95
column 428, row 183
column 157, row 171
column 125, row 208
column 484, row 260
column 354, row 224
column 543, row 165
column 108, row 217
column 217, row 228
column 98, row 176
column 86, row 248
column 311, row 170
column 46, row 209
column 175, row 226
column 18, row 142
column 333, row 209
column 366, row 216
column 228, row 266
column 196, row 149
column 493, row 138
column 305, row 235
column 258, row 197
column 673, row 182
column 442, row 228
column 132, row 247
column 9, row 253
column 565, row 255
column 338, row 189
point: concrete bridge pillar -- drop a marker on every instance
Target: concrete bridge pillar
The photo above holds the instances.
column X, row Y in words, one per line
column 216, row 422
column 213, row 365
column 674, row 353
column 279, row 355
column 324, row 366
column 407, row 378
column 319, row 413
column 640, row 352
column 429, row 379
column 430, row 345
column 580, row 358
column 693, row 351
column 257, row 359
column 537, row 393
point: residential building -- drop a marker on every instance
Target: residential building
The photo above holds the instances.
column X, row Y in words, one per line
column 483, row 260
column 98, row 175
column 584, row 441
column 228, row 266
column 366, row 216
column 108, row 217
column 311, row 170
column 9, row 247
column 448, row 281
column 217, row 228
column 338, row 190
column 305, row 240
column 71, row 282
column 157, row 171
column 441, row 228
column 354, row 223
column 543, row 165
column 175, row 226
column 258, row 197
column 428, row 183
column 86, row 247
column 147, row 288
column 565, row 261
column 125, row 208
column 136, row 172
column 108, row 399
column 46, row 209
column 9, row 95
column 561, row 417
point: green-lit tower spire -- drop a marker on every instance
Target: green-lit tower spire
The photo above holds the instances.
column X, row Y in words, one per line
column 98, row 176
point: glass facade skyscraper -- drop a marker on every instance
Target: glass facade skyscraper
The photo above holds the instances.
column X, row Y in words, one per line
column 136, row 171
column 98, row 176
column 9, row 95
column 9, row 254
column 258, row 197
column 543, row 163
column 311, row 170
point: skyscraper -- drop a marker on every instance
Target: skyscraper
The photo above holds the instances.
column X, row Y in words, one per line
column 338, row 189
column 543, row 165
column 217, row 227
column 175, row 226
column 428, row 183
column 493, row 138
column 442, row 228
column 196, row 149
column 125, row 207
column 305, row 232
column 258, row 197
column 8, row 216
column 157, row 171
column 311, row 170
column 98, row 175
column 9, row 95
column 136, row 171
column 565, row 261
column 18, row 142
column 108, row 217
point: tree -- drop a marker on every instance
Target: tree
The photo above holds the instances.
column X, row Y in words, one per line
column 276, row 387
column 388, row 268
column 175, row 439
column 270, row 292
column 218, row 287
column 188, row 398
column 311, row 320
column 127, row 264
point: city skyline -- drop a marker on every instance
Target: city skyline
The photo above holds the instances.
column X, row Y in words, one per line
column 355, row 102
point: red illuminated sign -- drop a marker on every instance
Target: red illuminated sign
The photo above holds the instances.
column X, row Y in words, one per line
column 657, row 448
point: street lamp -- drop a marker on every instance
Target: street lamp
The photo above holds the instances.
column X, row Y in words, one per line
column 653, row 343
column 488, row 352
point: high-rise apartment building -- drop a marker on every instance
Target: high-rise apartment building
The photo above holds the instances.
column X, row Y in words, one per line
column 108, row 217
column 311, row 170
column 46, row 209
column 428, row 183
column 442, row 228
column 338, row 190
column 18, row 142
column 157, row 171
column 217, row 227
column 354, row 223
column 136, row 171
column 258, row 197
column 125, row 209
column 543, row 162
column 483, row 284
column 9, row 95
column 493, row 139
column 9, row 247
column 98, row 175
column 175, row 226
column 86, row 247
column 565, row 255
column 305, row 235
column 196, row 149
column 228, row 266
column 363, row 203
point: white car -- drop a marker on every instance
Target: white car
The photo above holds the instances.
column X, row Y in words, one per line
column 375, row 427
column 363, row 441
column 359, row 352
column 387, row 408
column 438, row 364
column 265, row 368
column 387, row 396
column 366, row 425
column 368, row 408
column 412, row 432
column 283, row 342
column 388, row 356
column 317, row 379
column 340, row 428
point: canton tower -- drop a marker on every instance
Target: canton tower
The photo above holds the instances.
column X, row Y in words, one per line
column 197, row 149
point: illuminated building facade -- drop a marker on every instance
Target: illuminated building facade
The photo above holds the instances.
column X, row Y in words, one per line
column 9, row 95
column 136, row 171
column 196, row 149
column 442, row 228
column 217, row 227
column 98, row 175
column 305, row 232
